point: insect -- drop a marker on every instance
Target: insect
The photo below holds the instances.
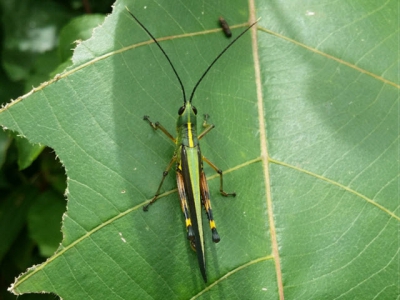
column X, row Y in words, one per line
column 225, row 27
column 190, row 177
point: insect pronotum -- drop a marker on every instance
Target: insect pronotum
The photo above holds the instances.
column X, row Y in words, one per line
column 190, row 177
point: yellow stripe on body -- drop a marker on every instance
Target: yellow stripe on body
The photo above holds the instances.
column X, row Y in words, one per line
column 190, row 136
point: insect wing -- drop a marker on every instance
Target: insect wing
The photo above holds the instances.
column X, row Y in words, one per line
column 190, row 163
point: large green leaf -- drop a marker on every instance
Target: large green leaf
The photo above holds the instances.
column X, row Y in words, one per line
column 306, row 115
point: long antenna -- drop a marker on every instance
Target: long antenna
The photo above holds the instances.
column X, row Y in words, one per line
column 165, row 54
column 215, row 60
column 172, row 66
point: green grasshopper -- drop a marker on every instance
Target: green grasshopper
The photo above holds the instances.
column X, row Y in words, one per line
column 190, row 177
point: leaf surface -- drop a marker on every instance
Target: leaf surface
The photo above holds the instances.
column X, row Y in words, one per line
column 306, row 115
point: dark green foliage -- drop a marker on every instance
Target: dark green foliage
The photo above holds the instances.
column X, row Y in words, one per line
column 32, row 200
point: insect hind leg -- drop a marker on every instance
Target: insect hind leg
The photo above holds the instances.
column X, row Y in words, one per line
column 185, row 209
column 205, row 196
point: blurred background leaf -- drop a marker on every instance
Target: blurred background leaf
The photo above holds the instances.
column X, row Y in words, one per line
column 32, row 201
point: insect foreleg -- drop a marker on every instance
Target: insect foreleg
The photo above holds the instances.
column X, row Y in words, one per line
column 221, row 183
column 207, row 127
column 157, row 125
column 165, row 173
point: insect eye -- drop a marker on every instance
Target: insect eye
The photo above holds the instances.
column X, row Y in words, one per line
column 181, row 110
column 194, row 110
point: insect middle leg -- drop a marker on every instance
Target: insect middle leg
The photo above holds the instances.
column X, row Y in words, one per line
column 221, row 182
column 165, row 173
